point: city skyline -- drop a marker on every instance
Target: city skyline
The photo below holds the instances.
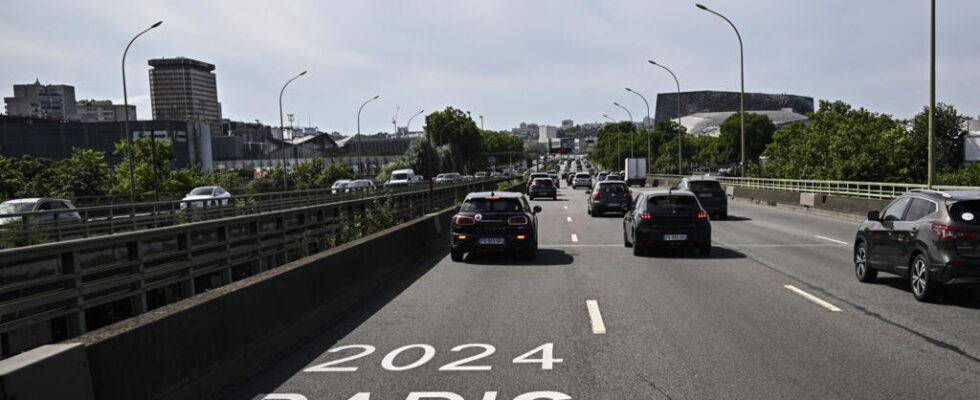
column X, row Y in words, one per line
column 482, row 58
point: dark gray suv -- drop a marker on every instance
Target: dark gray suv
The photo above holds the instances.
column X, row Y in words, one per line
column 927, row 236
column 710, row 194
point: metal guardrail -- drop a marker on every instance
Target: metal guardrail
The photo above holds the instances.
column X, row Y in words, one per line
column 869, row 190
column 25, row 229
column 55, row 291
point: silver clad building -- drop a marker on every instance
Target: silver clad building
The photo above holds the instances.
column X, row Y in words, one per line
column 41, row 101
column 103, row 111
column 183, row 89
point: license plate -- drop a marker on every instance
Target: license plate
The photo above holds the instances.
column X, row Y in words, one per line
column 613, row 204
column 490, row 241
column 674, row 238
column 705, row 194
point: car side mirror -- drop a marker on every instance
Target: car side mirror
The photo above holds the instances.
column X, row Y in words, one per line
column 456, row 210
column 874, row 216
column 536, row 209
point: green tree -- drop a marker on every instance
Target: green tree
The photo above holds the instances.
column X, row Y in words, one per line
column 948, row 141
column 308, row 174
column 422, row 158
column 388, row 168
column 85, row 173
column 336, row 171
column 460, row 132
column 758, row 134
column 145, row 152
column 841, row 143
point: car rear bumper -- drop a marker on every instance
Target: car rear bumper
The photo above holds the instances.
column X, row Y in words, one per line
column 542, row 193
column 957, row 272
column 622, row 205
column 655, row 237
column 471, row 244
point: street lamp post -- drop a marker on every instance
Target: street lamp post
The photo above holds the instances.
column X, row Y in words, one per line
column 932, row 97
column 409, row 124
column 631, row 122
column 358, row 142
column 609, row 118
column 741, row 51
column 129, row 135
column 680, row 142
column 282, row 131
column 481, row 122
column 644, row 122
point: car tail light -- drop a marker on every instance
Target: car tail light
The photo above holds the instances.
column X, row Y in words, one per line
column 644, row 215
column 464, row 220
column 519, row 220
column 627, row 194
column 461, row 237
column 953, row 233
column 521, row 237
column 702, row 215
column 552, row 185
column 597, row 196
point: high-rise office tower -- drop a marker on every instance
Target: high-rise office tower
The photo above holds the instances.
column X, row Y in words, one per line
column 183, row 89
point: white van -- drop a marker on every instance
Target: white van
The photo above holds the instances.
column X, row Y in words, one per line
column 403, row 177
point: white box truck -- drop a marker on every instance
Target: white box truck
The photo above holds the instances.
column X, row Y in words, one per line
column 636, row 171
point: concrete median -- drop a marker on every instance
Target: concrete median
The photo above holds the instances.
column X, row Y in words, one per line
column 193, row 348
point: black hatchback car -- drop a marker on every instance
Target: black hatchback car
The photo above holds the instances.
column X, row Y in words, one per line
column 667, row 218
column 609, row 196
column 927, row 236
column 489, row 222
column 712, row 197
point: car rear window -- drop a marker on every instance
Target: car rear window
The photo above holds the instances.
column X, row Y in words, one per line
column 543, row 181
column 399, row 176
column 614, row 188
column 661, row 205
column 704, row 185
column 16, row 208
column 202, row 191
column 966, row 211
column 583, row 176
column 491, row 205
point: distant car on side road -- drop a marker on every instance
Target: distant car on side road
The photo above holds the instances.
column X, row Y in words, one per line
column 360, row 185
column 448, row 177
column 400, row 177
column 205, row 196
column 339, row 185
column 18, row 206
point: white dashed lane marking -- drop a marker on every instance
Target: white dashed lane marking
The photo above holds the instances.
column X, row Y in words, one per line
column 569, row 219
column 598, row 327
column 812, row 298
column 574, row 237
column 831, row 240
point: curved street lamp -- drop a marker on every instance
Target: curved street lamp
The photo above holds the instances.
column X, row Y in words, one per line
column 680, row 143
column 741, row 51
column 609, row 118
column 631, row 121
column 282, row 132
column 129, row 135
column 358, row 142
column 407, row 125
column 644, row 121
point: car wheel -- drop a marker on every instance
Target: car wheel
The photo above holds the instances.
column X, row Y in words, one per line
column 705, row 249
column 555, row 197
column 723, row 215
column 922, row 287
column 637, row 247
column 862, row 269
column 456, row 255
column 531, row 197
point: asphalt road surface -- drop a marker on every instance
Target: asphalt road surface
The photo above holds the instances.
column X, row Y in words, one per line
column 773, row 313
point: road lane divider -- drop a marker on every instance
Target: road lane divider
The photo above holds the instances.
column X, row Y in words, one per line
column 598, row 327
column 812, row 298
column 569, row 219
column 831, row 240
column 574, row 237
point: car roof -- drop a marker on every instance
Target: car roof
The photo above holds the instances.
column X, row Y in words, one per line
column 606, row 182
column 662, row 192
column 957, row 195
column 503, row 195
column 700, row 178
column 28, row 200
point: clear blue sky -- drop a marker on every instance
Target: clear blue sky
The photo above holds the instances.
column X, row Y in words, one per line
column 509, row 60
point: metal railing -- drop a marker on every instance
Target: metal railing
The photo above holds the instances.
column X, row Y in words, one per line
column 31, row 228
column 870, row 190
column 54, row 291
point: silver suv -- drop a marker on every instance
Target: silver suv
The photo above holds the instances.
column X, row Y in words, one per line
column 582, row 179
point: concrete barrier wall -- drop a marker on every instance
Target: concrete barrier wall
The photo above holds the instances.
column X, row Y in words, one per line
column 767, row 196
column 193, row 348
column 846, row 206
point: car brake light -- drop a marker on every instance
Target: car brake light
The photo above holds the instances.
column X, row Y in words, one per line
column 644, row 215
column 702, row 215
column 597, row 196
column 464, row 220
column 461, row 237
column 627, row 194
column 519, row 220
column 521, row 237
column 552, row 186
column 953, row 233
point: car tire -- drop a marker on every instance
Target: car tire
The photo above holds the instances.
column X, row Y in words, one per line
column 555, row 197
column 723, row 215
column 530, row 197
column 705, row 249
column 626, row 240
column 923, row 288
column 862, row 268
column 456, row 255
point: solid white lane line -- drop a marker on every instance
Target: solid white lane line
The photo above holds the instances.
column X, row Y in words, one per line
column 812, row 298
column 778, row 245
column 598, row 327
column 546, row 246
column 569, row 219
column 574, row 237
column 832, row 240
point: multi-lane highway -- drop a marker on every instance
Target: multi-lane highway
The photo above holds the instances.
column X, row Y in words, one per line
column 774, row 313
